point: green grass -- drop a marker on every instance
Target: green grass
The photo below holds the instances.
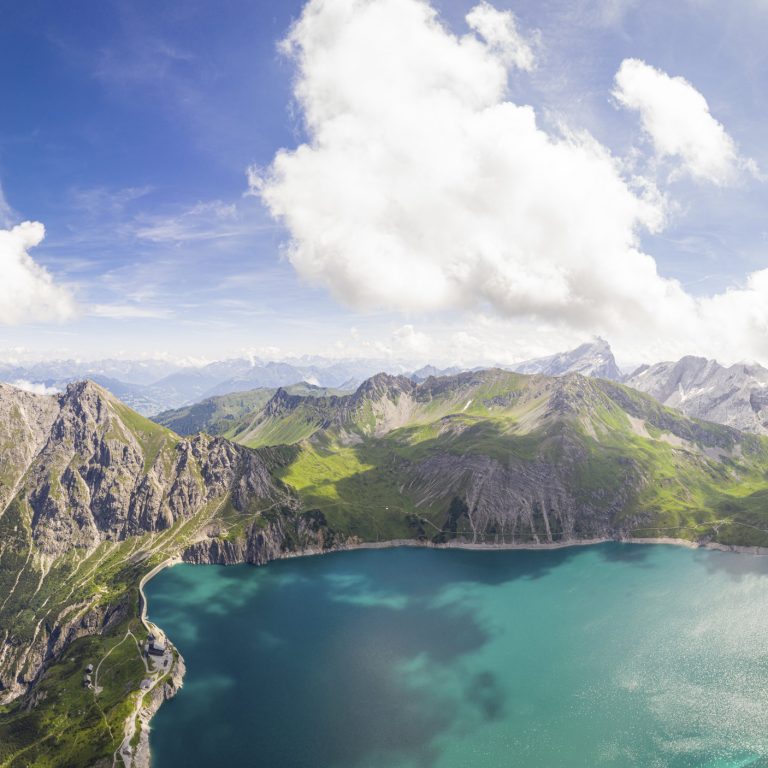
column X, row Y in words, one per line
column 70, row 726
column 229, row 415
column 151, row 437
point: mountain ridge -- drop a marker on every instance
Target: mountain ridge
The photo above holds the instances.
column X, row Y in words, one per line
column 593, row 358
column 155, row 386
column 735, row 395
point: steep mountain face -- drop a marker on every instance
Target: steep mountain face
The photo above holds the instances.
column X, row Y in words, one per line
column 704, row 389
column 495, row 456
column 25, row 423
column 591, row 359
column 106, row 474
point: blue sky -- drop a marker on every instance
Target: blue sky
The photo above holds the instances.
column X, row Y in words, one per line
column 127, row 129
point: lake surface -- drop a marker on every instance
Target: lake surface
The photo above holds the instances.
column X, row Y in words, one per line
column 608, row 655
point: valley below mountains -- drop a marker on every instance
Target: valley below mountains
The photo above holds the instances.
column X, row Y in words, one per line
column 94, row 498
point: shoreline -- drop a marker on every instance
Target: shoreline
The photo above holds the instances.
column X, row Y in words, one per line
column 532, row 546
column 175, row 560
column 143, row 758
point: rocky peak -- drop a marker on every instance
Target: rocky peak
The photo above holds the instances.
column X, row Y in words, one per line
column 86, row 405
column 705, row 389
column 383, row 385
column 280, row 402
column 594, row 358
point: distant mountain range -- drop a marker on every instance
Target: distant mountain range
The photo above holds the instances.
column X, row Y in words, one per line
column 153, row 386
column 736, row 396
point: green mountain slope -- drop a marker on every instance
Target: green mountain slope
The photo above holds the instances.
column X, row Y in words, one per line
column 227, row 414
column 526, row 458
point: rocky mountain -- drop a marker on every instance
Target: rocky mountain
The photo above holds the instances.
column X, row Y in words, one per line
column 94, row 497
column 736, row 395
column 592, row 359
column 430, row 370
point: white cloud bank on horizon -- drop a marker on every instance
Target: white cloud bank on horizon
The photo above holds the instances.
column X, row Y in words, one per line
column 677, row 119
column 422, row 188
column 27, row 290
column 36, row 388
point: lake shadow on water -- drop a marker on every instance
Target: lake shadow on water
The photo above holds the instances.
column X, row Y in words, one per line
column 323, row 636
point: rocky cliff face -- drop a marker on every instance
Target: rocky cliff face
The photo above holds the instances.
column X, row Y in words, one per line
column 105, row 474
column 704, row 389
column 25, row 424
column 266, row 540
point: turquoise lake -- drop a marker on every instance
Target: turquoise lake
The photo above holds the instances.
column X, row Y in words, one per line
column 608, row 655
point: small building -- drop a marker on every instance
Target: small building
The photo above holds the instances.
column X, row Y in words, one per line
column 156, row 646
column 87, row 681
column 89, row 669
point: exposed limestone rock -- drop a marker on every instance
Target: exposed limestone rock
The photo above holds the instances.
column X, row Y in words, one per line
column 82, row 470
column 736, row 396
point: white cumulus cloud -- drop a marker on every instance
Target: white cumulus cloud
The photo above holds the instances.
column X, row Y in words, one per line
column 422, row 187
column 27, row 290
column 677, row 119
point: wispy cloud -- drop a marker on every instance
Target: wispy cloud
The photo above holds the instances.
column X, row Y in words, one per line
column 99, row 202
column 138, row 59
column 128, row 312
column 7, row 214
column 203, row 221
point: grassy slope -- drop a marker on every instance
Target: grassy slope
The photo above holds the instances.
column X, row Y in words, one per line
column 77, row 726
column 694, row 479
column 226, row 414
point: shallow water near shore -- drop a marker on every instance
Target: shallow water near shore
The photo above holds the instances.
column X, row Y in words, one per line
column 607, row 655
